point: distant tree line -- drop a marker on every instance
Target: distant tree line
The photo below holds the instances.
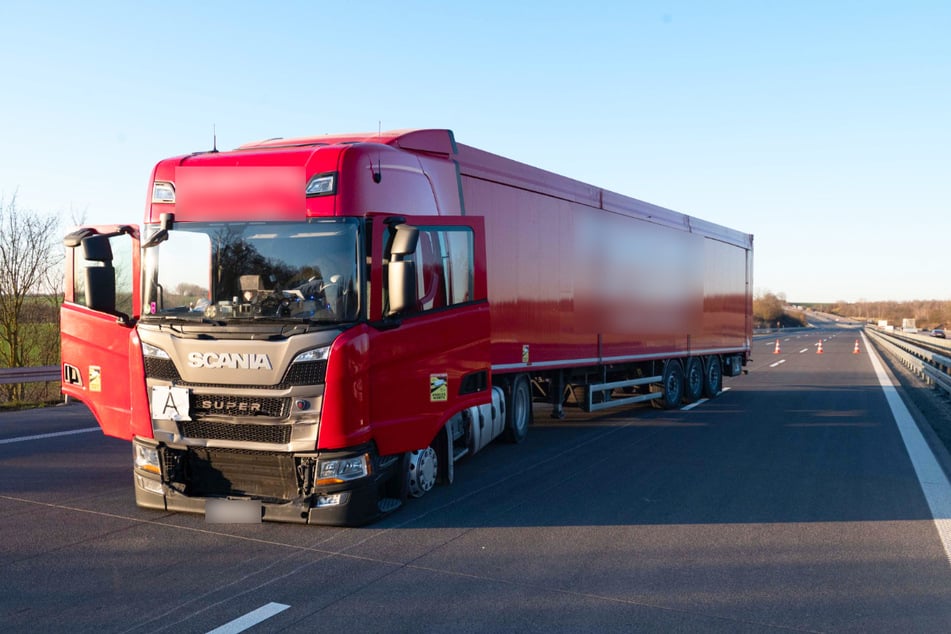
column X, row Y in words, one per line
column 770, row 310
column 927, row 313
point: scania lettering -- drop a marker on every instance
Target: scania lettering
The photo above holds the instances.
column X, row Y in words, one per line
column 325, row 327
column 211, row 360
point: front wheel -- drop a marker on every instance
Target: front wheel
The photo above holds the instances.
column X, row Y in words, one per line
column 422, row 471
column 518, row 411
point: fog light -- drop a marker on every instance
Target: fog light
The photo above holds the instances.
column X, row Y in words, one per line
column 334, row 499
column 148, row 484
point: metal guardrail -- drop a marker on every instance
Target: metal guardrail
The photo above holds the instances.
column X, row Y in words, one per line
column 934, row 368
column 40, row 374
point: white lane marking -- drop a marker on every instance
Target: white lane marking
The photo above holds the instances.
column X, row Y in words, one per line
column 7, row 441
column 686, row 408
column 804, row 350
column 934, row 483
column 773, row 365
column 250, row 619
column 692, row 405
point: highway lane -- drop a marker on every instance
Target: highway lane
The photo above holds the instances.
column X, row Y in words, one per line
column 787, row 503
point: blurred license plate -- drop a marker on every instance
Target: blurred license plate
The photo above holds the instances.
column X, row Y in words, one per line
column 233, row 511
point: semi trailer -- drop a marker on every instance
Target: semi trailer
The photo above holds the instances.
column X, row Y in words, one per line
column 318, row 329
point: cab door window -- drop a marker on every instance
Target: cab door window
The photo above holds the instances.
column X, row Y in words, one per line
column 444, row 267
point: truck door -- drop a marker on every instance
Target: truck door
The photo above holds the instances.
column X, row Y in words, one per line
column 101, row 304
column 430, row 358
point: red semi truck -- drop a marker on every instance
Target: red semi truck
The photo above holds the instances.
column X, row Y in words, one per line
column 318, row 328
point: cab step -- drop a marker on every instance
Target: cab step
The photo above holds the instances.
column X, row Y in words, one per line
column 388, row 505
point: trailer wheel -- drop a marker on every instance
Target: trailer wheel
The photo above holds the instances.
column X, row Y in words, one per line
column 693, row 375
column 672, row 385
column 712, row 376
column 518, row 411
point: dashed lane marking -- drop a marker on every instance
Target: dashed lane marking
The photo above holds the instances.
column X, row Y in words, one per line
column 7, row 441
column 250, row 619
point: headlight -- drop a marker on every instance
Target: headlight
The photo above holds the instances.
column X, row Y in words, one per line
column 163, row 192
column 320, row 354
column 322, row 185
column 342, row 470
column 147, row 459
column 149, row 350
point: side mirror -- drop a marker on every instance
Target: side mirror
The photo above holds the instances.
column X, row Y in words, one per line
column 100, row 280
column 402, row 285
column 166, row 224
column 401, row 275
column 404, row 241
column 157, row 238
column 96, row 248
column 74, row 239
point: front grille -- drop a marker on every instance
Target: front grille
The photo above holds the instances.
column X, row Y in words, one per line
column 222, row 472
column 161, row 369
column 240, row 432
column 304, row 373
column 218, row 405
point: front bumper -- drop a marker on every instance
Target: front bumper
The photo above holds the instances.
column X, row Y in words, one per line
column 282, row 482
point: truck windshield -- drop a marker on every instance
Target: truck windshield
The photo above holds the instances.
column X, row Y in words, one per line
column 227, row 271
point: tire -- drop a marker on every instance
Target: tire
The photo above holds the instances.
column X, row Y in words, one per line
column 423, row 471
column 693, row 380
column 672, row 385
column 518, row 410
column 712, row 376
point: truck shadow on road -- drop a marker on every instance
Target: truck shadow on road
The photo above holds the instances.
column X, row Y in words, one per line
column 814, row 454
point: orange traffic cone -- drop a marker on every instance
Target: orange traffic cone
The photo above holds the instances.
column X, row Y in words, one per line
column 776, row 349
column 819, row 351
column 856, row 350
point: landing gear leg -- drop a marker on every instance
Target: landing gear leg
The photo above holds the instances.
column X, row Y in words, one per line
column 557, row 391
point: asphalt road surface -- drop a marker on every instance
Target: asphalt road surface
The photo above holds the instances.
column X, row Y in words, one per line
column 788, row 503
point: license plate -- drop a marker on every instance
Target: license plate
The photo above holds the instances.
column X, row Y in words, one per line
column 170, row 403
column 221, row 511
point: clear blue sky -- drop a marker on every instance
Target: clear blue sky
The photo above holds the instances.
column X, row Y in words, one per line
column 823, row 128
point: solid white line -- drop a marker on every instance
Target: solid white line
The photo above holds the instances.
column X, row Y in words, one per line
column 250, row 619
column 686, row 408
column 7, row 441
column 934, row 483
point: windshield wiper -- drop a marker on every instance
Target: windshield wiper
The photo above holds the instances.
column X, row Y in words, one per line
column 183, row 319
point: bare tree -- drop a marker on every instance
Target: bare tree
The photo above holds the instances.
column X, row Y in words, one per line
column 28, row 257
